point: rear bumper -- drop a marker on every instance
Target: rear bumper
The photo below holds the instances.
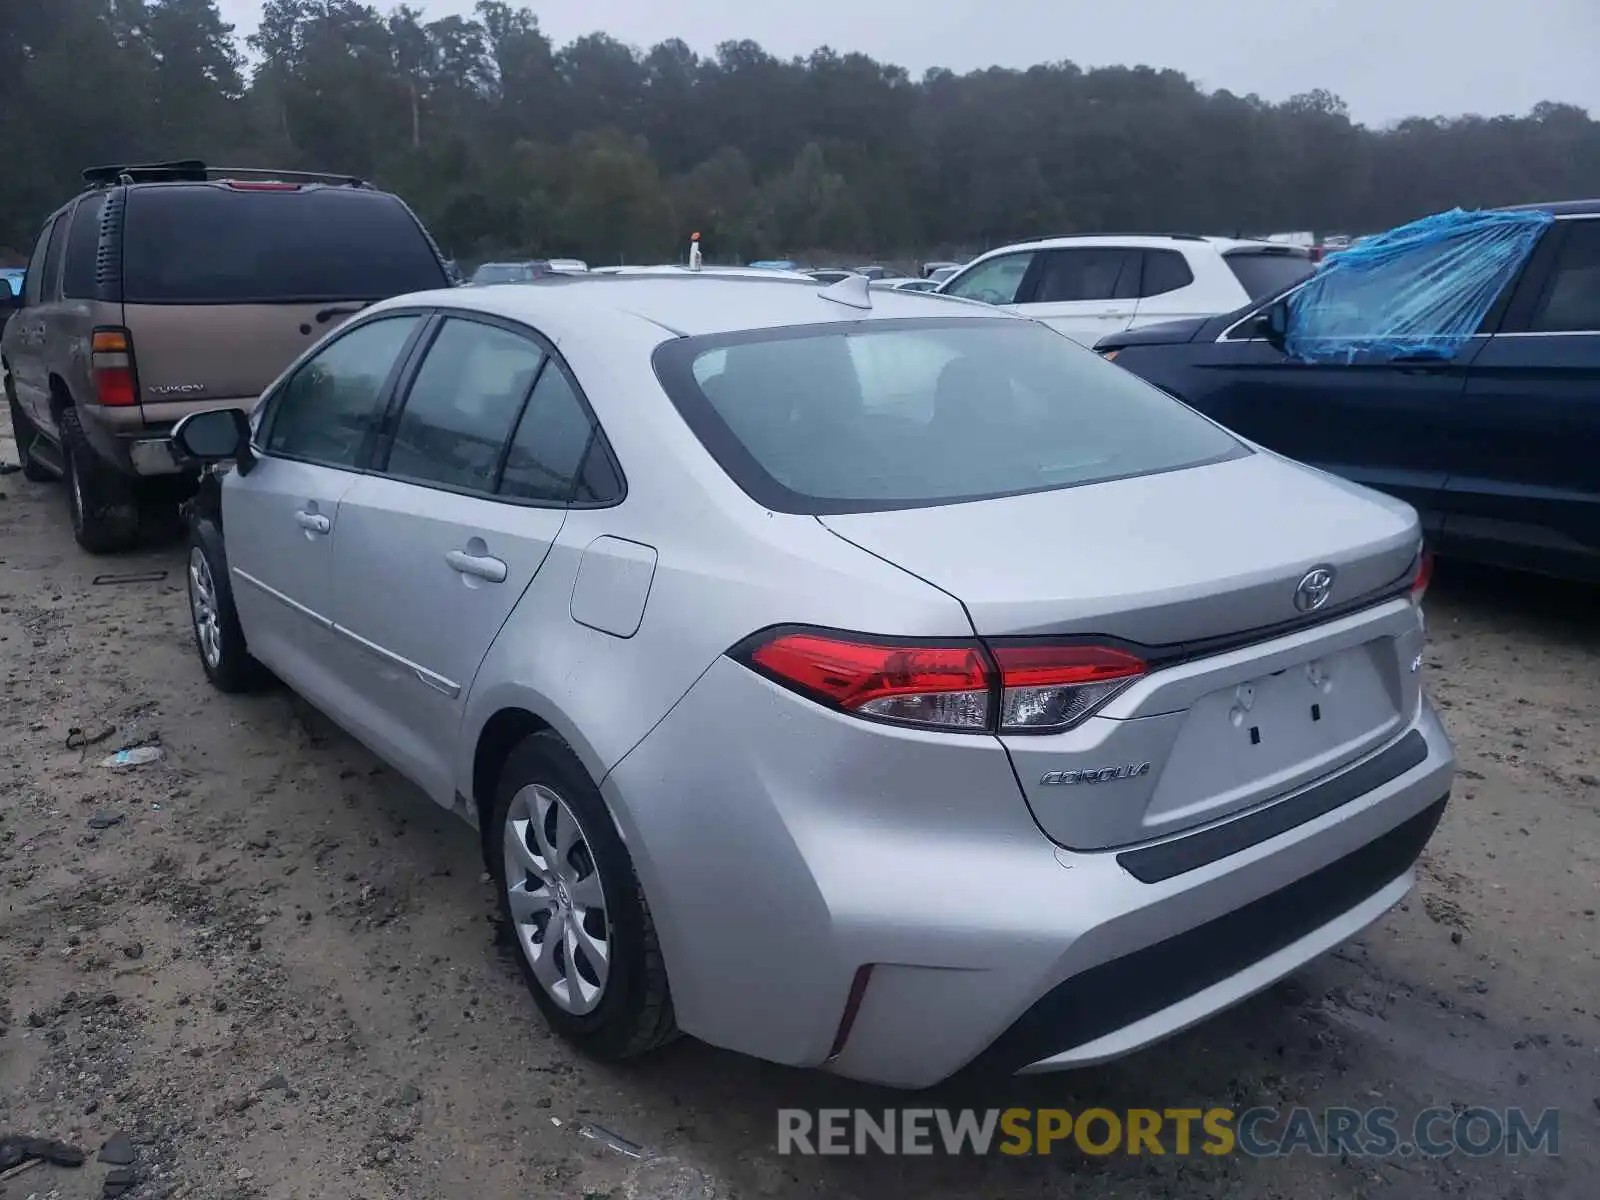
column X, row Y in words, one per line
column 784, row 847
column 138, row 440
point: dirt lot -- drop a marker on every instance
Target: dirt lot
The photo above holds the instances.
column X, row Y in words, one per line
column 274, row 967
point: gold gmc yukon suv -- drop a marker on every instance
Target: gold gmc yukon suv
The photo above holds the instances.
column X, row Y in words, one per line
column 170, row 288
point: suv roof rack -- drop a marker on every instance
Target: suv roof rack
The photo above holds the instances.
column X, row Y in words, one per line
column 192, row 170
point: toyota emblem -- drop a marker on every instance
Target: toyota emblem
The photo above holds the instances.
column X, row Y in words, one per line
column 1314, row 589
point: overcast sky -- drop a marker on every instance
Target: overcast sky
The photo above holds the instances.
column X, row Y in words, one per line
column 1386, row 58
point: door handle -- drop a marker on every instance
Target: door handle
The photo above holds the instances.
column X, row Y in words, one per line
column 313, row 522
column 480, row 566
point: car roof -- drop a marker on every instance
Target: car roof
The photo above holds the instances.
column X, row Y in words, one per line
column 1138, row 241
column 681, row 305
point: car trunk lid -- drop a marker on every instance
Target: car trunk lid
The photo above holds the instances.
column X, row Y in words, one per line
column 1248, row 695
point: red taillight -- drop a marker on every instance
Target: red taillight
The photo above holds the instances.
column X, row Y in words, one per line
column 1013, row 687
column 1050, row 687
column 111, row 365
column 943, row 686
column 1423, row 577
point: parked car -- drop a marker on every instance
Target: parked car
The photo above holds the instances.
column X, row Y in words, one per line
column 906, row 285
column 830, row 274
column 167, row 289
column 13, row 278
column 568, row 266
column 1495, row 447
column 1089, row 287
column 752, row 622
column 511, row 272
column 939, row 270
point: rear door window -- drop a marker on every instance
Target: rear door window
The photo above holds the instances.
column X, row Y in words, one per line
column 1088, row 274
column 1264, row 273
column 556, row 441
column 213, row 244
column 331, row 406
column 1570, row 302
column 460, row 409
column 49, row 277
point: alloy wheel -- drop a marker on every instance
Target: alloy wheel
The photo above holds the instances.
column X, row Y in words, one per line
column 203, row 608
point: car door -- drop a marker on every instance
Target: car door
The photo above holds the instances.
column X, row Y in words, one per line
column 1378, row 424
column 1084, row 292
column 436, row 545
column 25, row 333
column 279, row 516
column 1525, row 488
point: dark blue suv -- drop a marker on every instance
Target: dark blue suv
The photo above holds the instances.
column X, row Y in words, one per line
column 1498, row 448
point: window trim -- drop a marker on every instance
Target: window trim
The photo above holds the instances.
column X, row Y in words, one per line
column 271, row 401
column 375, row 457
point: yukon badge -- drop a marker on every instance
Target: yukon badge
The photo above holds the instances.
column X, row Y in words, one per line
column 1096, row 775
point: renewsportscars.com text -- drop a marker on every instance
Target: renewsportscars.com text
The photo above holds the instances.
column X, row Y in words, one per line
column 1255, row 1133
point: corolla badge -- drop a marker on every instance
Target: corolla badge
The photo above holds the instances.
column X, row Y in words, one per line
column 1313, row 590
column 1096, row 774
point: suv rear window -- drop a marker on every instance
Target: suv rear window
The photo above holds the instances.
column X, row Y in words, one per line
column 910, row 414
column 1265, row 273
column 211, row 244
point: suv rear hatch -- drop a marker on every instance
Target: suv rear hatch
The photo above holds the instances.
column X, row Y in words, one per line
column 225, row 283
column 1197, row 573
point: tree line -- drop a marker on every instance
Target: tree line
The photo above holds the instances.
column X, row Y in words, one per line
column 508, row 145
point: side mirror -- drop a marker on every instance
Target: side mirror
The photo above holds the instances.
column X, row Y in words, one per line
column 216, row 436
column 1274, row 324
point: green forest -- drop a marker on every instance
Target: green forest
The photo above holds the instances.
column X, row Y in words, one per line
column 509, row 145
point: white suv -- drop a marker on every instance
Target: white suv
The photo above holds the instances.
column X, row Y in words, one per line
column 1088, row 287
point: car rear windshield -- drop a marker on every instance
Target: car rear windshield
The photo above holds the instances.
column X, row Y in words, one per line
column 212, row 244
column 888, row 414
column 1265, row 273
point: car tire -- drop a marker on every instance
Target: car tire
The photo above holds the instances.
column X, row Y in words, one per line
column 630, row 1011
column 104, row 510
column 218, row 637
column 24, row 432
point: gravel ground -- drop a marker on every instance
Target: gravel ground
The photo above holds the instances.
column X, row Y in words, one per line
column 273, row 966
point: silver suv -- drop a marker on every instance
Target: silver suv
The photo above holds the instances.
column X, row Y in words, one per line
column 837, row 675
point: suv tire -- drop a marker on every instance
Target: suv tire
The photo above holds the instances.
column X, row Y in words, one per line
column 105, row 514
column 25, row 433
column 633, row 1011
column 218, row 638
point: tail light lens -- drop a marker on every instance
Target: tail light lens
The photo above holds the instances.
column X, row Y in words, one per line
column 1045, row 688
column 1423, row 577
column 1014, row 687
column 111, row 365
column 941, row 686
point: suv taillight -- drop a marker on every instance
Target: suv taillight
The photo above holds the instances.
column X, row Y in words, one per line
column 111, row 364
column 1423, row 577
column 1017, row 686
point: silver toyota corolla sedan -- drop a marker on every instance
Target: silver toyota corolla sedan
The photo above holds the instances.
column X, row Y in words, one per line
column 847, row 677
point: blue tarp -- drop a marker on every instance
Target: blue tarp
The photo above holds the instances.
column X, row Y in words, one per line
column 1418, row 291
